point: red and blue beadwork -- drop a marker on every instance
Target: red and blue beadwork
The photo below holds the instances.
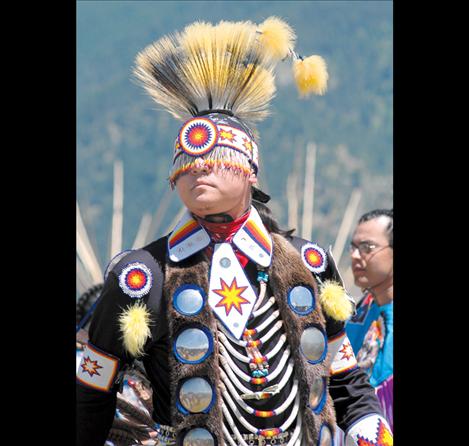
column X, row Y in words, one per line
column 198, row 136
column 314, row 257
column 135, row 280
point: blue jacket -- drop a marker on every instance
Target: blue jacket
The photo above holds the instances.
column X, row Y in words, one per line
column 370, row 316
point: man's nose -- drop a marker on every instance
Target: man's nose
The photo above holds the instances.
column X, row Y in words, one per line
column 200, row 167
column 355, row 253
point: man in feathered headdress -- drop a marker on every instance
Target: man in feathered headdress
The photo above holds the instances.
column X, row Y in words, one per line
column 240, row 329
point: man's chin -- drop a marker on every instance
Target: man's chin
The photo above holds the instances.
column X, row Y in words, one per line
column 201, row 208
column 361, row 282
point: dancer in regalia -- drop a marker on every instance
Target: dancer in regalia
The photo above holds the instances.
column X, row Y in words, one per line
column 240, row 329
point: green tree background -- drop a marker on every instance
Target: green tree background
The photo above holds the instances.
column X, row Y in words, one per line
column 351, row 124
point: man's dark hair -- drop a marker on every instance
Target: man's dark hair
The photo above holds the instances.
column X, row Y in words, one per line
column 376, row 213
column 269, row 221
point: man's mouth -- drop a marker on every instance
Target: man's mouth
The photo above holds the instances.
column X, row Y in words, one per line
column 358, row 270
column 201, row 183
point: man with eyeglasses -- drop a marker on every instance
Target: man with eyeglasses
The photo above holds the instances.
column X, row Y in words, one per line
column 370, row 330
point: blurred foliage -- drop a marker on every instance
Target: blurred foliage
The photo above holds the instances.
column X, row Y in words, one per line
column 351, row 124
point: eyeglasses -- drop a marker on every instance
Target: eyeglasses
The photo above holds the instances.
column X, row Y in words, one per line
column 365, row 248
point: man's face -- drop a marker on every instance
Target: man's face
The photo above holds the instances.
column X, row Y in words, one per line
column 210, row 190
column 373, row 268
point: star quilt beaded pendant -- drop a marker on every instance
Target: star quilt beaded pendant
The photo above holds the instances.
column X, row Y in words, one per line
column 231, row 296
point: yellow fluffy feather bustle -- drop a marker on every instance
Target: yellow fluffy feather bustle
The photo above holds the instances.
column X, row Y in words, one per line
column 310, row 75
column 277, row 37
column 134, row 324
column 334, row 301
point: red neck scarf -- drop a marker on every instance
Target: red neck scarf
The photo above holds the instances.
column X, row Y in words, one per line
column 224, row 233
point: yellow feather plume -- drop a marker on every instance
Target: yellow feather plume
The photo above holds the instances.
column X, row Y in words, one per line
column 335, row 302
column 208, row 67
column 310, row 75
column 134, row 325
column 277, row 37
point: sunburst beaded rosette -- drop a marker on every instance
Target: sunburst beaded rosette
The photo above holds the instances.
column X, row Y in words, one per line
column 219, row 80
column 197, row 137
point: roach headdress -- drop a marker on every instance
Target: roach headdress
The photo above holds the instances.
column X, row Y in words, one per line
column 219, row 80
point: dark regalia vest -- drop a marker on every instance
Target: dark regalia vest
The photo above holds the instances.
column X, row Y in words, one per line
column 211, row 395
